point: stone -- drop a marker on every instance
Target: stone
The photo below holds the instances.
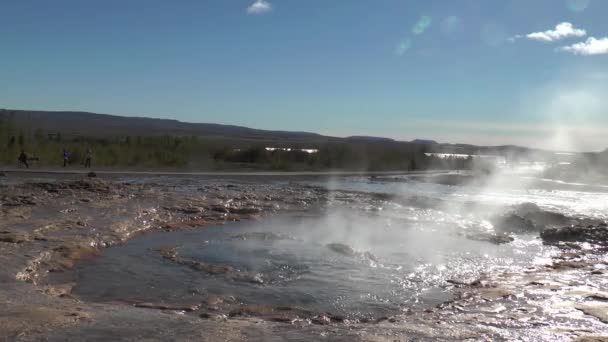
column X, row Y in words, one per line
column 593, row 234
column 512, row 223
column 170, row 307
column 599, row 311
column 14, row 237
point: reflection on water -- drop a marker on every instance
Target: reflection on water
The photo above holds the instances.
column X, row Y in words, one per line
column 385, row 269
column 355, row 257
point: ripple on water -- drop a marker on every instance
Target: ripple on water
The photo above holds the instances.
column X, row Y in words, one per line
column 348, row 263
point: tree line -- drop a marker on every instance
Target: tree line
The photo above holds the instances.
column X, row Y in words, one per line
column 199, row 153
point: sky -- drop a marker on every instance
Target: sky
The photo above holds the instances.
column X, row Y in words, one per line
column 532, row 73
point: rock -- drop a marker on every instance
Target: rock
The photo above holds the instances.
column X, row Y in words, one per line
column 2, row 174
column 185, row 210
column 248, row 277
column 591, row 338
column 14, row 237
column 171, row 307
column 321, row 320
column 566, row 265
column 66, row 255
column 599, row 296
column 170, row 253
column 245, row 210
column 213, row 317
column 497, row 239
column 91, row 174
column 592, row 234
column 526, row 208
column 220, row 209
column 215, row 300
column 209, row 268
column 341, row 248
column 512, row 223
column 599, row 311
column 370, row 256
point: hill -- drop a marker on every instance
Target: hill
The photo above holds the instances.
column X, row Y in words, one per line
column 85, row 124
column 148, row 142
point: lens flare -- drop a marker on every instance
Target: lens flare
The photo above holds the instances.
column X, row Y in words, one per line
column 422, row 25
column 452, row 25
column 403, row 46
column 578, row 5
column 493, row 34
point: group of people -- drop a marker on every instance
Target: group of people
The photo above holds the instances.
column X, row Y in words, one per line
column 24, row 159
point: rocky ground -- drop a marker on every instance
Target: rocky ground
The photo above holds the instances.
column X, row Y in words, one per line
column 46, row 226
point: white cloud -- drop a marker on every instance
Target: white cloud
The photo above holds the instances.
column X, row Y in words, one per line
column 561, row 31
column 259, row 7
column 591, row 46
column 515, row 37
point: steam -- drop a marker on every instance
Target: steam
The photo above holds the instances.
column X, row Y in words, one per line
column 573, row 108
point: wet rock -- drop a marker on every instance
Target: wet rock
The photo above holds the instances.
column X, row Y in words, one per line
column 474, row 283
column 341, row 248
column 27, row 320
column 591, row 338
column 566, row 265
column 281, row 314
column 66, row 255
column 321, row 320
column 14, row 237
column 497, row 239
column 599, row 311
column 248, row 277
column 209, row 268
column 170, row 307
column 512, row 223
column 213, row 317
column 91, row 174
column 184, row 225
column 245, row 210
column 600, row 296
column 185, row 210
column 89, row 185
column 346, row 250
column 526, row 208
column 170, row 253
column 593, row 234
column 220, row 209
column 2, row 174
column 214, row 300
column 17, row 201
column 370, row 256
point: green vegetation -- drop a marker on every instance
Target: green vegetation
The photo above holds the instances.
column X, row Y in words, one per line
column 200, row 153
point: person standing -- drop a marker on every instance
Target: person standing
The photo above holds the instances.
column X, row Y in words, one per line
column 23, row 159
column 66, row 157
column 88, row 157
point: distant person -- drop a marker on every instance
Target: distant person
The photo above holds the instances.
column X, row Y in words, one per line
column 66, row 157
column 88, row 157
column 23, row 159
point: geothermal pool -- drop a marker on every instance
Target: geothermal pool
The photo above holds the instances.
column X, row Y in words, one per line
column 360, row 256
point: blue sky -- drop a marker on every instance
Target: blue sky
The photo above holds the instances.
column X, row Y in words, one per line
column 474, row 71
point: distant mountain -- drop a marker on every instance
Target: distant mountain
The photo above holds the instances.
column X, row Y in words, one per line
column 362, row 138
column 73, row 124
column 423, row 141
column 85, row 124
